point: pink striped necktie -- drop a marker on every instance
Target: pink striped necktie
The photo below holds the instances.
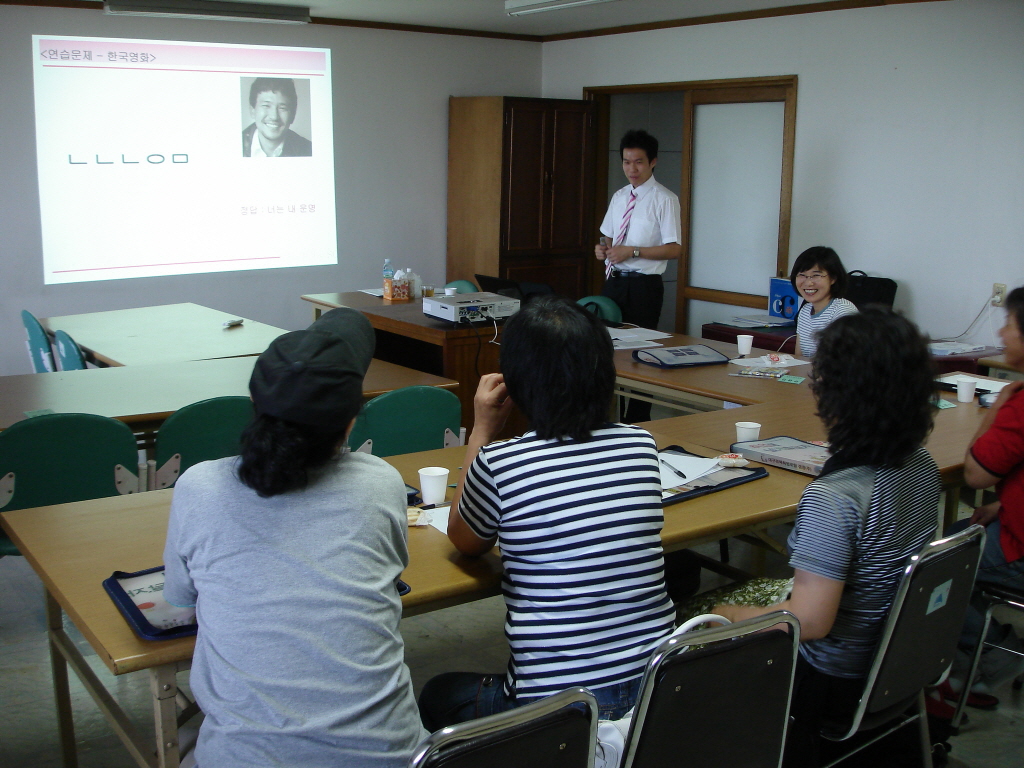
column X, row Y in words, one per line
column 623, row 228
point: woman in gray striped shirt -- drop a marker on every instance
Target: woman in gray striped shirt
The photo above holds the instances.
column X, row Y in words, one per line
column 575, row 506
column 873, row 506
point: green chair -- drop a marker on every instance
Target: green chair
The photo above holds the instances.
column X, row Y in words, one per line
column 462, row 286
column 408, row 420
column 603, row 307
column 38, row 344
column 203, row 431
column 69, row 354
column 62, row 457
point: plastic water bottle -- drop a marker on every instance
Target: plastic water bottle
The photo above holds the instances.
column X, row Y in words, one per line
column 389, row 271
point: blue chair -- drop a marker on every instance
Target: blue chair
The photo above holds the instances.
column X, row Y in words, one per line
column 462, row 286
column 408, row 420
column 38, row 344
column 62, row 457
column 204, row 431
column 69, row 354
column 603, row 307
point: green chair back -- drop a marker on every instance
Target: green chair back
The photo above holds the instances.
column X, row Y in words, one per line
column 62, row 457
column 38, row 343
column 462, row 286
column 603, row 307
column 407, row 420
column 69, row 354
column 203, row 431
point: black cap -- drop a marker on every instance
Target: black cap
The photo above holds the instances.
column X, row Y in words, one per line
column 313, row 377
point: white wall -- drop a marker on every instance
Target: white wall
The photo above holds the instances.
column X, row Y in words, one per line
column 909, row 140
column 391, row 135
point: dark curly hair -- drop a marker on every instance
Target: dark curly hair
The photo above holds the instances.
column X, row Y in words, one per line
column 278, row 455
column 828, row 261
column 873, row 379
column 557, row 361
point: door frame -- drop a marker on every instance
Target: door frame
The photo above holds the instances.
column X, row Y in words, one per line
column 738, row 90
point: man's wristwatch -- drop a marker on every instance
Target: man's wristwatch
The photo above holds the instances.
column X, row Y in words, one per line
column 636, row 253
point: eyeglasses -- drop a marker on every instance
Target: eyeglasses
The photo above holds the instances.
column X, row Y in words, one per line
column 812, row 276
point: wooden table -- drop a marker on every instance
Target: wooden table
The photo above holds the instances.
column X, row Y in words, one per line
column 996, row 361
column 73, row 547
column 143, row 396
column 408, row 337
column 170, row 333
column 775, row 338
column 704, row 387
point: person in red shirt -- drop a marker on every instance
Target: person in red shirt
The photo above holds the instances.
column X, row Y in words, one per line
column 995, row 457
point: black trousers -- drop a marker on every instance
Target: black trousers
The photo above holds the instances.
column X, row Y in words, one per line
column 639, row 297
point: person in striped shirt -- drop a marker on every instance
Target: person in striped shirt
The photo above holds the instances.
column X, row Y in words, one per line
column 872, row 507
column 575, row 507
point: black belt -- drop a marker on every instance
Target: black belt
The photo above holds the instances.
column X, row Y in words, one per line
column 630, row 273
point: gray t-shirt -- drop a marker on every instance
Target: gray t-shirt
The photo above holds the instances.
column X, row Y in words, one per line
column 859, row 525
column 299, row 660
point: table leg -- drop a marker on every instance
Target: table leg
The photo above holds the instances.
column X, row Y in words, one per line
column 164, row 685
column 951, row 507
column 61, row 691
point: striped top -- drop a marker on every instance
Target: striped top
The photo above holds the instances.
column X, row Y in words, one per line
column 859, row 525
column 578, row 524
column 809, row 325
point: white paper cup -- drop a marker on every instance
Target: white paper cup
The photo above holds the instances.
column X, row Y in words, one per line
column 744, row 342
column 747, row 430
column 433, row 484
column 451, row 291
column 965, row 389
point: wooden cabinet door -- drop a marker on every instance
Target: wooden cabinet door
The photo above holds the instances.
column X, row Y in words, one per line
column 571, row 185
column 527, row 176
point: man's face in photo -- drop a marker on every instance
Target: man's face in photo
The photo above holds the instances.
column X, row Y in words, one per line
column 273, row 115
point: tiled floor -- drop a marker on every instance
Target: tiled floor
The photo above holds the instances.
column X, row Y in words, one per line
column 463, row 638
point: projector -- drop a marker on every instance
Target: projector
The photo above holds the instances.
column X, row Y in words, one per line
column 467, row 307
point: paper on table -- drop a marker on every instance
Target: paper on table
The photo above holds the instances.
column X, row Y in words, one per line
column 147, row 592
column 633, row 344
column 631, row 334
column 378, row 292
column 691, row 466
column 989, row 384
column 439, row 518
column 767, row 361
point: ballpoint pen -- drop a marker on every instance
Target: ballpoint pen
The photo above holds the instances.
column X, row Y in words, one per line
column 666, row 464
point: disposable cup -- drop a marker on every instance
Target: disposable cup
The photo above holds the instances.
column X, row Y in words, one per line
column 433, row 484
column 450, row 291
column 965, row 389
column 744, row 342
column 747, row 430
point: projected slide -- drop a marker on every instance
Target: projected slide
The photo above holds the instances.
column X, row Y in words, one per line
column 169, row 158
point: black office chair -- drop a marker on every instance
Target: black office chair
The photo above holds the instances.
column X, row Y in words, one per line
column 993, row 595
column 918, row 642
column 558, row 731
column 723, row 704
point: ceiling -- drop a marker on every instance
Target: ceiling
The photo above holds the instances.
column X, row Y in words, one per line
column 490, row 16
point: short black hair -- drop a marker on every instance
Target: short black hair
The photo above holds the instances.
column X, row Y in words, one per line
column 278, row 456
column 283, row 85
column 827, row 260
column 639, row 139
column 1015, row 306
column 873, row 379
column 557, row 361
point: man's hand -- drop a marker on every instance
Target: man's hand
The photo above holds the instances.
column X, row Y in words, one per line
column 617, row 254
column 491, row 407
column 601, row 251
column 985, row 514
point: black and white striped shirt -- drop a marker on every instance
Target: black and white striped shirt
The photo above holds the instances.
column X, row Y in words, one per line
column 809, row 325
column 860, row 525
column 578, row 524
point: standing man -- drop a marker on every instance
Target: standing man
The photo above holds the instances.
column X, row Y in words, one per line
column 273, row 103
column 642, row 229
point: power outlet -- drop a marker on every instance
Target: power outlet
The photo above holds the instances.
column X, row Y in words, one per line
column 998, row 294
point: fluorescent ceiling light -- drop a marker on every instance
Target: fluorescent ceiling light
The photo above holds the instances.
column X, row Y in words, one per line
column 523, row 7
column 208, row 10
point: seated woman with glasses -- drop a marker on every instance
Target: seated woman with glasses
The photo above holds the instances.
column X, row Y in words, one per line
column 872, row 507
column 575, row 506
column 820, row 279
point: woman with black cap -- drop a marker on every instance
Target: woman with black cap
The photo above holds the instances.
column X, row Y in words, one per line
column 290, row 554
